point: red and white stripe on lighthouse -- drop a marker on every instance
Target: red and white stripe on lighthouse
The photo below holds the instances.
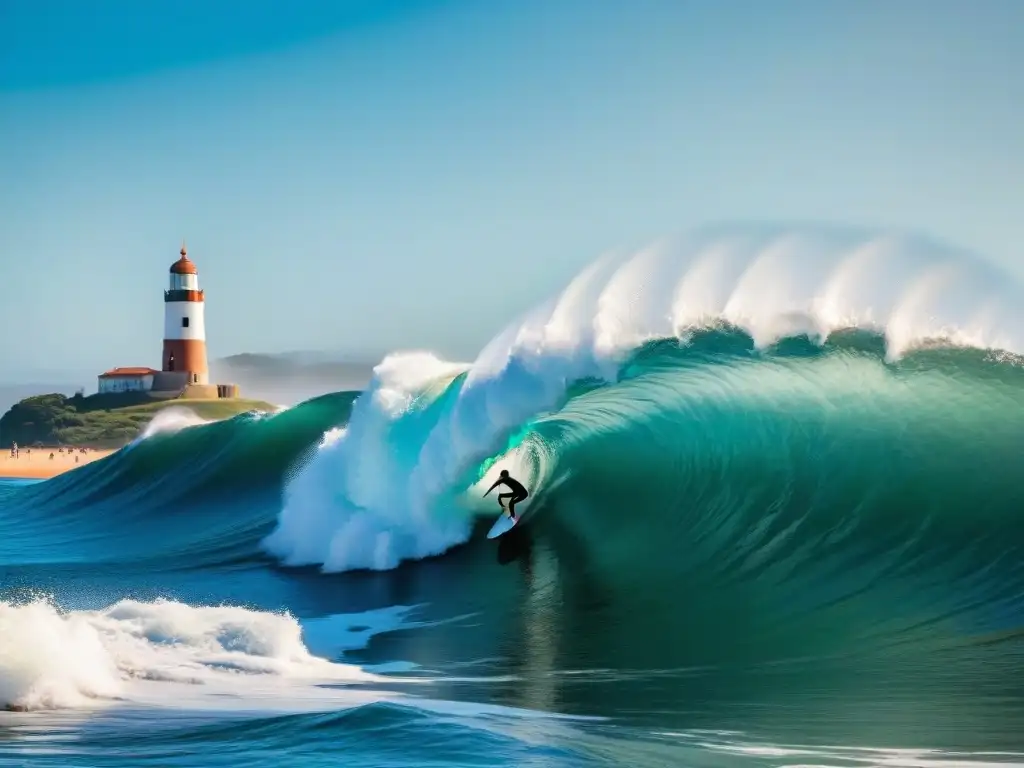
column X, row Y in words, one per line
column 184, row 325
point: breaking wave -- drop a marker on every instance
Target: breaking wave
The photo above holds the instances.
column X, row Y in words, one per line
column 757, row 373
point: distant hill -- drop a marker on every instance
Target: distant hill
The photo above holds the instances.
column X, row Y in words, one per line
column 101, row 421
column 291, row 377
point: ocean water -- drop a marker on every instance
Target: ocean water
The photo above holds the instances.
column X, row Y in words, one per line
column 776, row 520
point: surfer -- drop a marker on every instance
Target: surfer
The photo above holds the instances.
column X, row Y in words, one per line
column 518, row 493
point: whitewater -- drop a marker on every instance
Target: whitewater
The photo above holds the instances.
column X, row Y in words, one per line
column 774, row 520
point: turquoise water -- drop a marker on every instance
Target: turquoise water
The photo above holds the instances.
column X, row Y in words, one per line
column 801, row 552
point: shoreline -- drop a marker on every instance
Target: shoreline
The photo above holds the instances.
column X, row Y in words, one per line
column 38, row 465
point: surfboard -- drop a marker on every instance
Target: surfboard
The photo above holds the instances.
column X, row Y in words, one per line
column 503, row 524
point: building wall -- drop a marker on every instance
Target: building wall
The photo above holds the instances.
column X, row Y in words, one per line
column 125, row 384
column 185, row 320
column 200, row 392
column 190, row 357
column 170, row 383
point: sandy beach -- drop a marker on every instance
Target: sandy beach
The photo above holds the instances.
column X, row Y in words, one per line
column 36, row 462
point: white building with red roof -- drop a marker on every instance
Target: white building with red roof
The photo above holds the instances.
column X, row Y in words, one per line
column 126, row 380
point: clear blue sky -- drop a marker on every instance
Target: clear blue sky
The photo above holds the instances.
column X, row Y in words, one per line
column 371, row 175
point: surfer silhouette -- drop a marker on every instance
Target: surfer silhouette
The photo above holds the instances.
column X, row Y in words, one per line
column 518, row 493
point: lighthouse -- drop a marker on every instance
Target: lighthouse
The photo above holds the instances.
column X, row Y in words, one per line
column 184, row 370
column 184, row 326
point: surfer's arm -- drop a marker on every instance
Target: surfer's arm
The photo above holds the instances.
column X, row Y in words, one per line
column 496, row 484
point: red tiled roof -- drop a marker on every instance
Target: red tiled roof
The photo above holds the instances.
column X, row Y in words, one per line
column 137, row 371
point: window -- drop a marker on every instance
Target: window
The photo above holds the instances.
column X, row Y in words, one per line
column 184, row 322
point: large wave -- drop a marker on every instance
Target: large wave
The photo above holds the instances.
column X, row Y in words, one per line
column 752, row 370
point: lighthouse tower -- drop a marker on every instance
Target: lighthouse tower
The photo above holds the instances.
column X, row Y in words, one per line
column 184, row 327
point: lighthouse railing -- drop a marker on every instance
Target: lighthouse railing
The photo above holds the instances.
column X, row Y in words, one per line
column 183, row 295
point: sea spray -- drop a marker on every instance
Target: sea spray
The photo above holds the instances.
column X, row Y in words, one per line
column 53, row 659
column 171, row 420
column 347, row 507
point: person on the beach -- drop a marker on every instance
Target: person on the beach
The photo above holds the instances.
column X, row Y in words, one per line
column 518, row 493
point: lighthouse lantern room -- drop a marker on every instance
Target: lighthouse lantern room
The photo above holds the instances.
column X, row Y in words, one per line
column 184, row 327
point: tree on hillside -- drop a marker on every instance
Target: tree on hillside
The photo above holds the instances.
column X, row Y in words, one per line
column 38, row 419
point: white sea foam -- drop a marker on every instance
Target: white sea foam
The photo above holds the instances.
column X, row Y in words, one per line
column 178, row 417
column 165, row 652
column 349, row 505
column 170, row 420
column 797, row 756
column 391, row 486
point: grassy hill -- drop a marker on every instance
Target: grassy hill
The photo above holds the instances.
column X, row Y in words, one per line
column 101, row 421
